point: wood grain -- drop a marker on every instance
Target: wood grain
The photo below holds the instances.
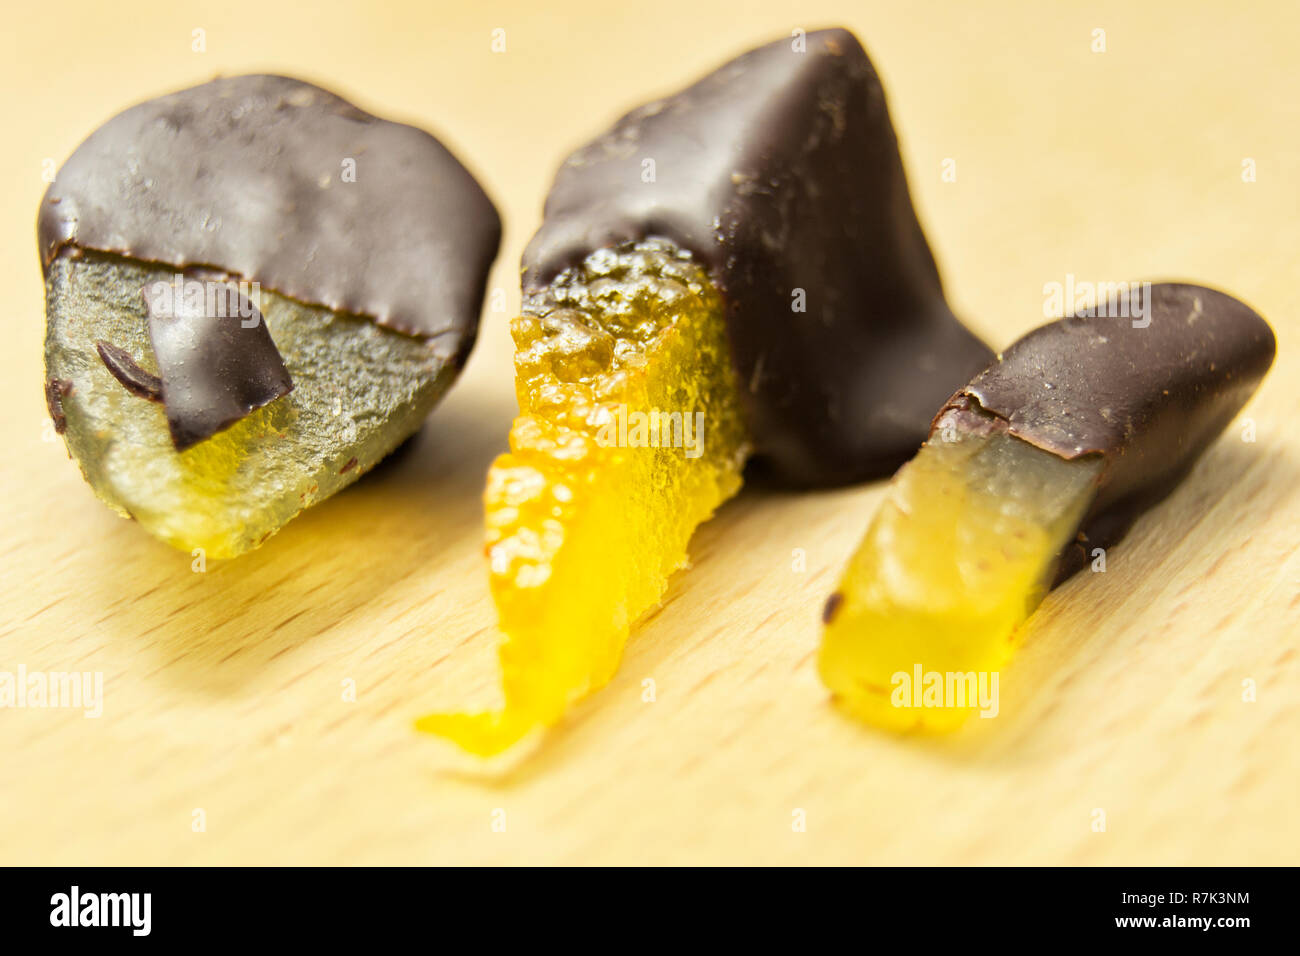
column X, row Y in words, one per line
column 223, row 690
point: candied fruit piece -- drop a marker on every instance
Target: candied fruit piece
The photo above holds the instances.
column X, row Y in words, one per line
column 252, row 181
column 359, row 391
column 629, row 436
column 960, row 553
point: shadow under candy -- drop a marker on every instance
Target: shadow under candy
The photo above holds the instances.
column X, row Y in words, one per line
column 214, row 630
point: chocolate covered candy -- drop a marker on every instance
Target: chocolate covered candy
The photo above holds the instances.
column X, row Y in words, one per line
column 1048, row 454
column 735, row 269
column 1146, row 398
column 780, row 174
column 250, row 284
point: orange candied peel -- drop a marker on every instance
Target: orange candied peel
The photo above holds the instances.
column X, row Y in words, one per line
column 629, row 436
column 960, row 553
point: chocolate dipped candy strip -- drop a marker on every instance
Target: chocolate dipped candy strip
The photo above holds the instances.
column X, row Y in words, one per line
column 735, row 270
column 254, row 291
column 1051, row 452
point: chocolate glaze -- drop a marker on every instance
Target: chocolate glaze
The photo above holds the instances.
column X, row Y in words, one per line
column 1149, row 400
column 246, row 175
column 56, row 390
column 780, row 172
column 215, row 368
column 123, row 367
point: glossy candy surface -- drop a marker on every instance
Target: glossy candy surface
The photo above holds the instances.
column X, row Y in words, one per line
column 592, row 509
column 365, row 245
column 1044, row 458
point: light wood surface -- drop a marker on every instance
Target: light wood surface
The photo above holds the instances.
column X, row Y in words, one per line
column 223, row 691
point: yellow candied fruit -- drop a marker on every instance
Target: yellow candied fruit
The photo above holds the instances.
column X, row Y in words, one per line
column 359, row 391
column 959, row 555
column 629, row 436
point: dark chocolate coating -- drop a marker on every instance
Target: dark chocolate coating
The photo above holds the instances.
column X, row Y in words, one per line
column 1148, row 400
column 123, row 367
column 780, row 172
column 246, row 175
column 56, row 390
column 215, row 368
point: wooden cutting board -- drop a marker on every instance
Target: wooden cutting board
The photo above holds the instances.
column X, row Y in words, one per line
column 224, row 691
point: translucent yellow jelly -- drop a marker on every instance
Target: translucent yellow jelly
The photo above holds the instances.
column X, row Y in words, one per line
column 629, row 436
column 959, row 555
column 359, row 390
